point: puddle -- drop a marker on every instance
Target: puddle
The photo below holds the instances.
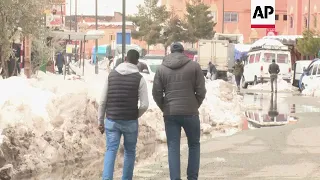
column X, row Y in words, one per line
column 271, row 109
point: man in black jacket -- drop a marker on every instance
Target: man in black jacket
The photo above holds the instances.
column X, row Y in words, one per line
column 179, row 90
column 274, row 70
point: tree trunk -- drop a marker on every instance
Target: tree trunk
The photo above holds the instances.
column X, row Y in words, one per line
column 148, row 49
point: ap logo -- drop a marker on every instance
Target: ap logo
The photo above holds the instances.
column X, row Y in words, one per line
column 263, row 14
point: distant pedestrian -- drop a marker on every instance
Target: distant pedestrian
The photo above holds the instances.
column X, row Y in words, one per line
column 60, row 62
column 213, row 71
column 178, row 90
column 238, row 72
column 123, row 89
column 274, row 70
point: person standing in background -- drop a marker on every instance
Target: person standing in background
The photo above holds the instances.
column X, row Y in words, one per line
column 274, row 70
column 60, row 62
column 213, row 71
column 179, row 90
column 238, row 72
column 123, row 89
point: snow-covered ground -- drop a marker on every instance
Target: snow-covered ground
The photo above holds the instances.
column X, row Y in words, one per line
column 47, row 121
column 313, row 89
column 283, row 86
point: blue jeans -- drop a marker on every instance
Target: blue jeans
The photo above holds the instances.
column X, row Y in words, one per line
column 114, row 130
column 191, row 126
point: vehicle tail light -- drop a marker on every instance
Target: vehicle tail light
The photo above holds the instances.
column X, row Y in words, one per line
column 289, row 70
column 261, row 68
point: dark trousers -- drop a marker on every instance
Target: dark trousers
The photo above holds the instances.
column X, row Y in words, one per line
column 60, row 70
column 238, row 80
column 191, row 126
column 273, row 81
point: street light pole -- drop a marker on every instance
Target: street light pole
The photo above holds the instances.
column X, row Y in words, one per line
column 309, row 15
column 222, row 16
column 70, row 15
column 96, row 69
column 123, row 29
column 76, row 29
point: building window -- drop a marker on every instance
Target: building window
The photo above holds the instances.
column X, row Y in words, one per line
column 285, row 17
column 315, row 21
column 277, row 17
column 112, row 37
column 231, row 17
column 291, row 22
column 305, row 22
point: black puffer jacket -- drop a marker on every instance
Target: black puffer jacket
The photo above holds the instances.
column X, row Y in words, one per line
column 179, row 86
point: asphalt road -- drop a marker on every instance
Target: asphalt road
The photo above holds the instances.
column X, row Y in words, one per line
column 280, row 153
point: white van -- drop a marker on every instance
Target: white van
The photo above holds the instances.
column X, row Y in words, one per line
column 311, row 74
column 257, row 64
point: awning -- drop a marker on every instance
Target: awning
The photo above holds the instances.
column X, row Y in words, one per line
column 90, row 35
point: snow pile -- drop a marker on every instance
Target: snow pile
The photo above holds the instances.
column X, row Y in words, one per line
column 313, row 89
column 269, row 42
column 283, row 86
column 222, row 104
column 48, row 122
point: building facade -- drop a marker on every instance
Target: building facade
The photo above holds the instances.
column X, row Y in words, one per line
column 111, row 25
column 298, row 15
column 237, row 16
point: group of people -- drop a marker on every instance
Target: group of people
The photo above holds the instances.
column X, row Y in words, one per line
column 178, row 90
column 238, row 70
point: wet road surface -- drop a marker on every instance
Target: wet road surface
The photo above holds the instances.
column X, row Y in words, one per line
column 279, row 152
column 287, row 151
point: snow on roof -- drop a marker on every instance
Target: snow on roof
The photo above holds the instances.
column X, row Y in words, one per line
column 90, row 35
column 281, row 38
column 269, row 42
column 242, row 47
column 128, row 23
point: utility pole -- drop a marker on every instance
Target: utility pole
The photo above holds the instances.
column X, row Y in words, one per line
column 123, row 29
column 96, row 69
column 309, row 4
column 76, row 29
column 70, row 15
column 222, row 16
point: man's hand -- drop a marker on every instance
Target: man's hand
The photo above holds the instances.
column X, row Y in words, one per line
column 101, row 128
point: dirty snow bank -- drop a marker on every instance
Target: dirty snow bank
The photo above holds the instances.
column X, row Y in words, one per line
column 283, row 86
column 313, row 89
column 48, row 122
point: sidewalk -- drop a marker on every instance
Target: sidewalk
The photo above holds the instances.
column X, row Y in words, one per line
column 280, row 153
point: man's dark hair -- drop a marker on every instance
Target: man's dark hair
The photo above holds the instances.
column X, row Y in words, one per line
column 273, row 60
column 133, row 56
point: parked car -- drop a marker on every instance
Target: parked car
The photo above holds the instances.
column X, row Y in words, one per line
column 149, row 57
column 299, row 68
column 257, row 64
column 150, row 69
column 310, row 75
